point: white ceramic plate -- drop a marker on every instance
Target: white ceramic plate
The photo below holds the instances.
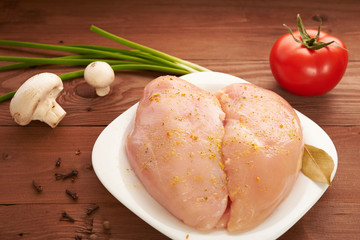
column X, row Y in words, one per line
column 112, row 168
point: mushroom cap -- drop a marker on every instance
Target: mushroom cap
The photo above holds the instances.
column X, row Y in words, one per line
column 32, row 92
column 99, row 74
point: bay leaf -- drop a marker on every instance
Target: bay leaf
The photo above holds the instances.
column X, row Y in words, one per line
column 317, row 164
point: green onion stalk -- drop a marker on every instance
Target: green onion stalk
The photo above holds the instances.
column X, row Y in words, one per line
column 139, row 57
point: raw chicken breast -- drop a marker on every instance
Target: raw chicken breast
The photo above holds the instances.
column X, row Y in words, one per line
column 262, row 150
column 175, row 150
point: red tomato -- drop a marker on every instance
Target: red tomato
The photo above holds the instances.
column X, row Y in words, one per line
column 306, row 72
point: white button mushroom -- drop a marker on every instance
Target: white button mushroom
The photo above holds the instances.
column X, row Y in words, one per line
column 99, row 75
column 36, row 100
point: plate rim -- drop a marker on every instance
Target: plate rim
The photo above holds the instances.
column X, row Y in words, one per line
column 108, row 131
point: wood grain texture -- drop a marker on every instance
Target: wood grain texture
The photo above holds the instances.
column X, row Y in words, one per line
column 228, row 36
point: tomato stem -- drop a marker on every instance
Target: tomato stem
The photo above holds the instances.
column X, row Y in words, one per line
column 306, row 40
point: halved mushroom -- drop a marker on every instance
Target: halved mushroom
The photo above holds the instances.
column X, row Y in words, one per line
column 36, row 100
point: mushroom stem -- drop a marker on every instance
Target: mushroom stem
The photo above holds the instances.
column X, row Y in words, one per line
column 52, row 115
column 102, row 91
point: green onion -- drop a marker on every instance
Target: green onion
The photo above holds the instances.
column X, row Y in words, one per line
column 72, row 50
column 7, row 96
column 136, row 54
column 139, row 57
column 134, row 66
column 42, row 61
column 145, row 49
column 30, row 64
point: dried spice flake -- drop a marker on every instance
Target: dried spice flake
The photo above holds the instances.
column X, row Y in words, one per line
column 221, row 165
column 72, row 174
column 58, row 162
column 106, row 225
column 66, row 217
column 73, row 195
column 91, row 210
column 37, row 187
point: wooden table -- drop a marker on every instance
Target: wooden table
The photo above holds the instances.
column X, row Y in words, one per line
column 233, row 37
